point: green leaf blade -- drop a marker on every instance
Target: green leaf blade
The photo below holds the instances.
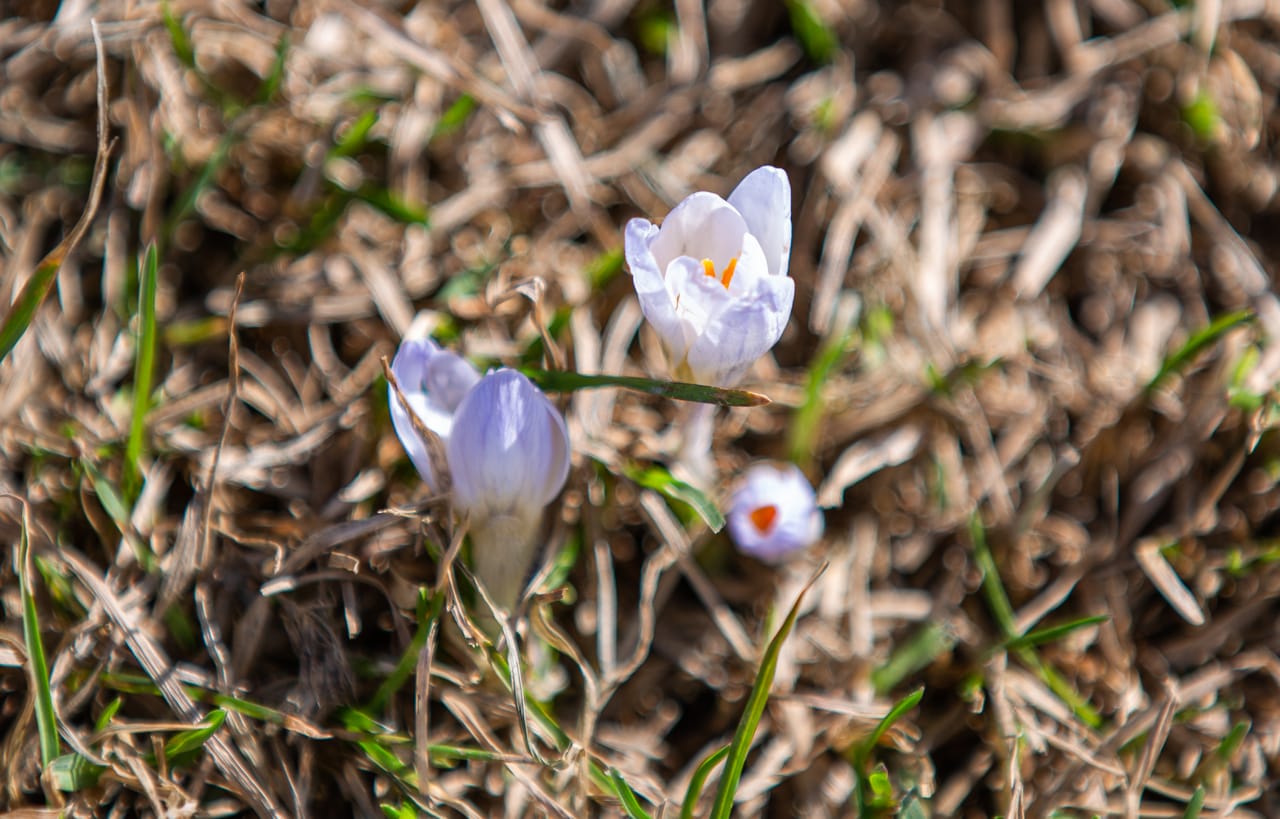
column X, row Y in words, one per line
column 736, row 758
column 662, row 481
column 563, row 381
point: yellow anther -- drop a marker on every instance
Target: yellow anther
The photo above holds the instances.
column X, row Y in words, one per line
column 709, row 267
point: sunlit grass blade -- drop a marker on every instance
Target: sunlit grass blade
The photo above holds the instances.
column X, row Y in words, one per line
column 37, row 288
column 1052, row 633
column 699, row 779
column 660, row 480
column 627, row 796
column 736, row 759
column 1198, row 341
column 561, row 381
column 38, row 666
column 143, row 372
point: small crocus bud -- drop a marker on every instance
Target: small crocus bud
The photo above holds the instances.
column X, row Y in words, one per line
column 434, row 382
column 712, row 280
column 774, row 512
column 509, row 457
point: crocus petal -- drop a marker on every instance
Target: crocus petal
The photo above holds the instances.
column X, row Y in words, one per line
column 702, row 226
column 698, row 297
column 745, row 329
column 432, row 381
column 774, row 512
column 656, row 301
column 764, row 200
column 509, row 451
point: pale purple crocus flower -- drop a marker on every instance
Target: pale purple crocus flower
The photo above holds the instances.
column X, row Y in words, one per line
column 509, row 457
column 712, row 280
column 507, row 452
column 774, row 513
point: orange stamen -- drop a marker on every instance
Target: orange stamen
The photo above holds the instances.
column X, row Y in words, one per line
column 762, row 517
column 709, row 267
column 728, row 272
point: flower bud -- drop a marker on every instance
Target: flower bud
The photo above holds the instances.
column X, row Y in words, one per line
column 434, row 382
column 712, row 280
column 774, row 512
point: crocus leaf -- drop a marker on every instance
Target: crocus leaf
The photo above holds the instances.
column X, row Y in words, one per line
column 562, row 381
column 660, row 480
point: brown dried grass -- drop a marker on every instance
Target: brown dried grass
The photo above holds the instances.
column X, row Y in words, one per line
column 1014, row 197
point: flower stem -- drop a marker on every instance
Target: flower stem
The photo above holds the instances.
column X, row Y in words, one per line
column 694, row 462
column 502, row 552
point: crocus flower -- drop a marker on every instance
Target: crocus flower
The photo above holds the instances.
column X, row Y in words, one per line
column 509, row 457
column 774, row 512
column 506, row 447
column 434, row 382
column 712, row 280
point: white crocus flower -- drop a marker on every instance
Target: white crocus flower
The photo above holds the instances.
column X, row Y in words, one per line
column 712, row 280
column 509, row 457
column 774, row 513
column 434, row 382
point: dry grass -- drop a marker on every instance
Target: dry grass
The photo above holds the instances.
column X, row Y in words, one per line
column 1014, row 223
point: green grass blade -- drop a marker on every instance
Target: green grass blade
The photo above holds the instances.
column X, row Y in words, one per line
column 925, row 646
column 208, row 174
column 699, row 780
column 992, row 588
column 1051, row 633
column 115, row 507
column 660, row 480
column 186, row 741
column 562, row 381
column 1196, row 805
column 876, row 783
column 1198, row 341
column 455, row 116
column 816, row 37
column 38, row 286
column 271, row 85
column 431, row 606
column 899, row 708
column 736, row 759
column 109, row 713
column 182, row 47
column 72, row 773
column 143, row 373
column 627, row 796
column 38, row 666
column 808, row 416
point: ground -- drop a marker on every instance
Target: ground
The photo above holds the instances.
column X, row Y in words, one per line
column 1030, row 370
